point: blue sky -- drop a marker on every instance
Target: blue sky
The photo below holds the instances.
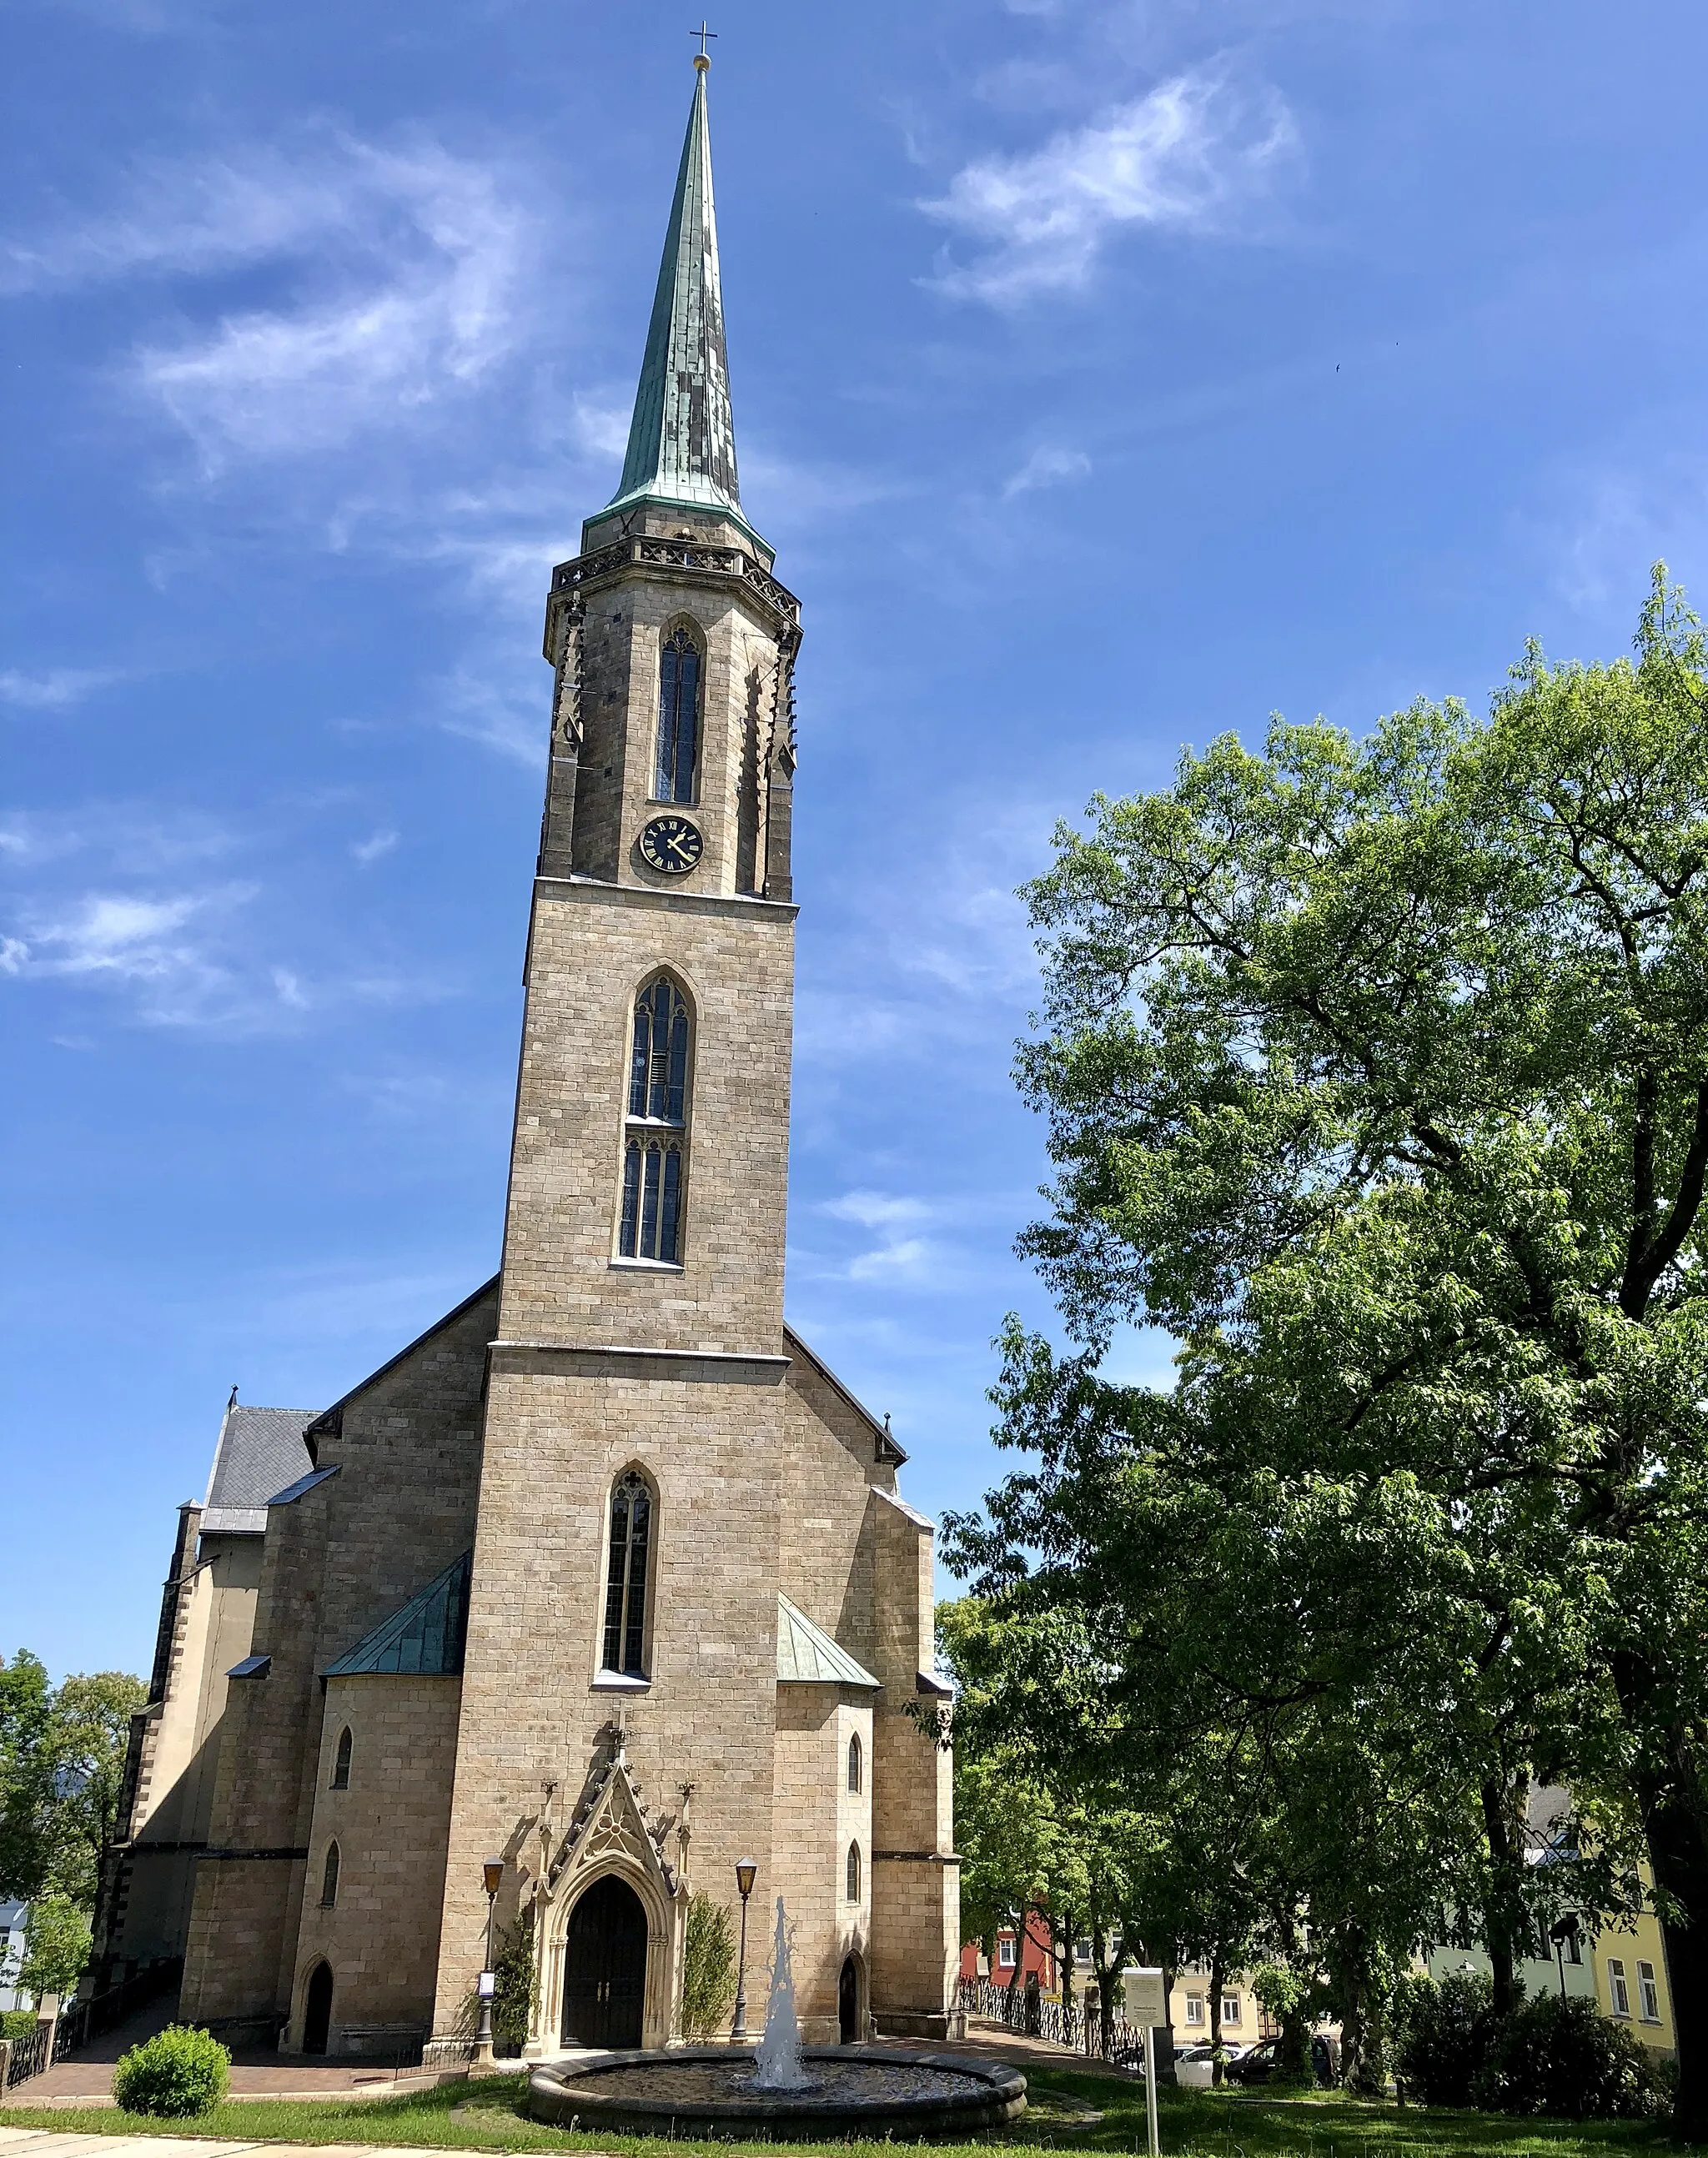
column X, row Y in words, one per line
column 1106, row 376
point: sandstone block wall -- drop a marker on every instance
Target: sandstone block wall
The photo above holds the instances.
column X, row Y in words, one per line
column 338, row 1560
column 593, row 948
column 817, row 1817
column 381, row 1935
column 561, row 1427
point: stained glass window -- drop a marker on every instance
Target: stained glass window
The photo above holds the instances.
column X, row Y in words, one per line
column 626, row 1576
column 341, row 1764
column 679, row 718
column 659, row 1069
column 329, row 1878
column 852, row 1882
column 657, row 1098
column 853, row 1762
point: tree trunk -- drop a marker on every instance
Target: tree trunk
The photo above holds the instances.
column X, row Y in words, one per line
column 1216, row 1977
column 1674, row 1809
column 1165, row 2065
column 1503, row 1922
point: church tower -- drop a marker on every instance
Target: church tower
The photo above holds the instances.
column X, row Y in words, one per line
column 603, row 1585
column 658, row 1471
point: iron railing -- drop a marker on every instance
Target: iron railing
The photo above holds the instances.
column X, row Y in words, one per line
column 80, row 2020
column 28, row 2056
column 1039, row 2016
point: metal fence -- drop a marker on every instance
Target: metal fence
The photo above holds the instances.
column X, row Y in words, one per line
column 28, row 2056
column 80, row 2020
column 1039, row 2016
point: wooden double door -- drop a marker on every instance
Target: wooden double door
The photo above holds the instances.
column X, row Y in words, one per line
column 605, row 1968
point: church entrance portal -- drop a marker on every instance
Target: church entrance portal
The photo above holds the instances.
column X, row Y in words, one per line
column 316, row 2009
column 847, row 2004
column 605, row 1967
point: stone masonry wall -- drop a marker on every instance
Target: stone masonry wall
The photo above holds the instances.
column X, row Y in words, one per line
column 593, row 947
column 561, row 1427
column 817, row 1817
column 380, row 1936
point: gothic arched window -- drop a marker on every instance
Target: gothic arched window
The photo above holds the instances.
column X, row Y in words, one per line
column 853, row 1762
column 656, row 1137
column 625, row 1575
column 679, row 718
column 329, row 1878
column 341, row 1764
column 852, row 1884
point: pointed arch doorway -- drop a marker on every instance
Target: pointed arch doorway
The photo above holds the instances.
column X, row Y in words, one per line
column 605, row 1967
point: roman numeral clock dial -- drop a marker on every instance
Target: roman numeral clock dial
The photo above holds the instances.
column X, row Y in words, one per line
column 671, row 845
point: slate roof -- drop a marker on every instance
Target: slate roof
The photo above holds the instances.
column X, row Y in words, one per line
column 260, row 1451
column 682, row 440
column 806, row 1656
column 423, row 1640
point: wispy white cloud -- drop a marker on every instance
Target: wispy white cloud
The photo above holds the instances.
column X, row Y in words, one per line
column 55, row 688
column 502, row 717
column 1047, row 466
column 400, row 271
column 1187, row 155
column 371, row 849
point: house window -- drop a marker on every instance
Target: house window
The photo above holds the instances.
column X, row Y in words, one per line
column 679, row 718
column 854, row 1763
column 1618, row 1993
column 625, row 1575
column 1005, row 1953
column 1648, row 1993
column 1082, row 1951
column 1195, row 2008
column 657, row 1129
column 341, row 1764
column 329, row 1878
column 852, row 1884
column 1231, row 2008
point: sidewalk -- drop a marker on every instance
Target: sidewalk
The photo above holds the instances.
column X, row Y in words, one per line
column 42, row 2143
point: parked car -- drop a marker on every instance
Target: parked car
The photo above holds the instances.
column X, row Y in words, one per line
column 1258, row 2064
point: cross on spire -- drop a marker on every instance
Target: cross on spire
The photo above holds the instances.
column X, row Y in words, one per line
column 702, row 33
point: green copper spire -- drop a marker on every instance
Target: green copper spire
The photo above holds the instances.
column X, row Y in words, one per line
column 682, row 440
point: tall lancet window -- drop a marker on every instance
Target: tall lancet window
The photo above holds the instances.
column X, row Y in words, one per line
column 655, row 1141
column 679, row 718
column 626, row 1576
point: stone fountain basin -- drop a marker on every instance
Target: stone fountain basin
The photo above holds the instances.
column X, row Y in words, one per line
column 859, row 2090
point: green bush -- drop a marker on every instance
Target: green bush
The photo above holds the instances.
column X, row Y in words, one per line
column 1443, row 2036
column 17, row 2022
column 1564, row 2058
column 707, row 1969
column 176, row 2074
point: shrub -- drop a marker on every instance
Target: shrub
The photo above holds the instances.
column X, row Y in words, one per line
column 1443, row 2034
column 176, row 2074
column 17, row 2022
column 707, row 1969
column 1563, row 2057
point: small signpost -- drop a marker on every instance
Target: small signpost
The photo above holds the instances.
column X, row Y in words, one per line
column 1148, row 2005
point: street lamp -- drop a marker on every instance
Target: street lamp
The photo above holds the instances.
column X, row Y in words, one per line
column 746, row 1871
column 493, row 1873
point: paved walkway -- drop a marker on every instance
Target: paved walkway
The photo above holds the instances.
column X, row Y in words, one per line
column 44, row 2143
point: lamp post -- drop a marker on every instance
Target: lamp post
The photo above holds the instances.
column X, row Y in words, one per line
column 493, row 1873
column 746, row 1871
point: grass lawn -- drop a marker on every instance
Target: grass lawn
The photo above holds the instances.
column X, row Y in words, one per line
column 1071, row 2110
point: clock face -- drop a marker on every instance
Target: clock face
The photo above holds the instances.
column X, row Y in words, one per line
column 672, row 844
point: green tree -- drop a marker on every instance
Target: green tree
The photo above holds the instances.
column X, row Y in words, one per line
column 1377, row 1073
column 27, row 1777
column 56, row 1945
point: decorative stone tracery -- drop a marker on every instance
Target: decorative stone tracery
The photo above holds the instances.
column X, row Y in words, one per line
column 611, row 1832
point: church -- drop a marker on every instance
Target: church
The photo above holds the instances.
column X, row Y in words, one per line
column 604, row 1585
